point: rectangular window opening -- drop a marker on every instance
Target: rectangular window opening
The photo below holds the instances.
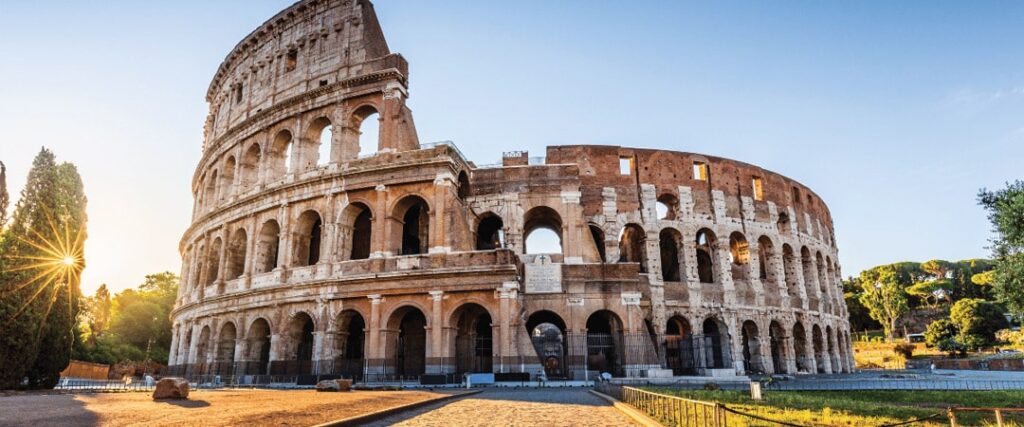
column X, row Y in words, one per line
column 758, row 189
column 625, row 165
column 796, row 195
column 700, row 171
column 238, row 93
column 292, row 61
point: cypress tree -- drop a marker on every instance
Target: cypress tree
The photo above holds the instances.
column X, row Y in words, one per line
column 39, row 292
column 4, row 196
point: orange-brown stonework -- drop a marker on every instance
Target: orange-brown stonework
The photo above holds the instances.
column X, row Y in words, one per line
column 411, row 260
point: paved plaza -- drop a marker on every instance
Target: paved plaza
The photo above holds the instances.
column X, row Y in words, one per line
column 516, row 407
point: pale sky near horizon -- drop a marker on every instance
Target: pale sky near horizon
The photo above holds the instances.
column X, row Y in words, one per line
column 894, row 113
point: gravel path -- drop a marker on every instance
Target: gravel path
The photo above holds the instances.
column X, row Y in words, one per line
column 515, row 407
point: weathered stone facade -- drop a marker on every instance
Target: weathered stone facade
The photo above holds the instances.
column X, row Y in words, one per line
column 304, row 258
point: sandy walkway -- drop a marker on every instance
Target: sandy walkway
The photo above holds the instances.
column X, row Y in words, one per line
column 206, row 408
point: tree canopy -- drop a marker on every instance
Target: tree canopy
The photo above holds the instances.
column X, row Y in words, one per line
column 1006, row 213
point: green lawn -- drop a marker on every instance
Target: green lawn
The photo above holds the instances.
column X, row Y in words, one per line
column 863, row 408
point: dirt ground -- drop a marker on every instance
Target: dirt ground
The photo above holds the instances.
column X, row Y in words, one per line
column 206, row 408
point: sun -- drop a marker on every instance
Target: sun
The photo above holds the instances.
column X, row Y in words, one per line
column 69, row 260
column 55, row 264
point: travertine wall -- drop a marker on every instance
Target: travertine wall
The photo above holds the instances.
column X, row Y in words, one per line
column 668, row 260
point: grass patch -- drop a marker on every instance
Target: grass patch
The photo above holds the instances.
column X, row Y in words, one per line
column 863, row 408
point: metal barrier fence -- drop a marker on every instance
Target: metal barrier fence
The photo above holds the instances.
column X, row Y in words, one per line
column 894, row 384
column 84, row 384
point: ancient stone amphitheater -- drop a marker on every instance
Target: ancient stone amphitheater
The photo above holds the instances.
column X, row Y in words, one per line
column 319, row 247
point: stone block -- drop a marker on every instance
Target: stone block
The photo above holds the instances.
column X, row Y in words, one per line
column 171, row 388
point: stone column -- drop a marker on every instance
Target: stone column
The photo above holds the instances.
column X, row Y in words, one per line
column 173, row 354
column 374, row 352
column 507, row 292
column 765, row 347
column 381, row 230
column 437, row 230
column 435, row 351
column 571, row 235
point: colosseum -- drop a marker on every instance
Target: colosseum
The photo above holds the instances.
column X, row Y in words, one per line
column 328, row 241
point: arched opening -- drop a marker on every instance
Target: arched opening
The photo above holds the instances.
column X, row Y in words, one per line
column 267, row 247
column 631, row 246
column 308, row 233
column 667, row 207
column 490, row 233
column 679, row 346
column 819, row 349
column 236, row 255
column 322, row 132
column 739, row 254
column 350, row 344
column 766, row 260
column 547, row 332
column 752, row 360
column 715, row 343
column 251, row 167
column 415, row 215
column 777, row 341
column 604, row 338
column 823, row 288
column 281, row 154
column 227, row 179
column 597, row 235
column 670, row 241
column 809, row 273
column 213, row 261
column 202, row 350
column 225, row 358
column 783, row 224
column 188, row 345
column 833, row 355
column 299, row 346
column 464, row 189
column 357, row 230
column 259, row 348
column 474, row 349
column 210, row 194
column 542, row 231
column 803, row 362
column 367, row 120
column 706, row 243
column 409, row 347
column 789, row 267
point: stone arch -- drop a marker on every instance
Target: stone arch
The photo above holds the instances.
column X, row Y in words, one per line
column 407, row 346
column 203, row 347
column 804, row 361
column 258, row 338
column 819, row 349
column 715, row 343
column 826, row 303
column 210, row 197
column 350, row 343
column 790, row 267
column 809, row 274
column 308, row 236
column 250, row 167
column 668, row 206
column 548, row 334
column 670, row 241
column 279, row 154
column 297, row 357
column 237, row 246
column 490, row 232
column 605, row 343
column 707, row 250
column 464, row 189
column 367, row 130
column 473, row 343
column 267, row 245
column 777, row 346
column 753, row 361
column 357, row 231
column 541, row 218
column 225, row 357
column 321, row 136
column 227, row 178
column 632, row 247
column 213, row 261
column 679, row 346
column 739, row 255
column 413, row 214
column 597, row 236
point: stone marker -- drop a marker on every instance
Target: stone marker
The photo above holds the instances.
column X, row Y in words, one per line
column 171, row 388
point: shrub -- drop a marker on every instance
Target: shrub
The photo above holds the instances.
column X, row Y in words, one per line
column 939, row 330
column 952, row 347
column 1010, row 336
column 904, row 349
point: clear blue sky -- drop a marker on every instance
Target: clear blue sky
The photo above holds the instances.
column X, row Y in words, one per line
column 895, row 113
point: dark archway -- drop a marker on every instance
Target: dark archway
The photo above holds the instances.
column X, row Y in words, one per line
column 803, row 362
column 548, row 334
column 415, row 238
column 604, row 343
column 225, row 357
column 631, row 246
column 819, row 349
column 350, row 344
column 679, row 346
column 308, row 233
column 409, row 348
column 715, row 342
column 598, row 236
column 357, row 231
column 267, row 245
column 259, row 348
column 752, row 360
column 490, row 233
column 777, row 338
column 236, row 255
column 670, row 240
column 706, row 243
column 474, row 345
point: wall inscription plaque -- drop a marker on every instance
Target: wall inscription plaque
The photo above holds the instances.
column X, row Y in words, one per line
column 543, row 276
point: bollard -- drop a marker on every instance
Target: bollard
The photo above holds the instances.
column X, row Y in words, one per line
column 755, row 390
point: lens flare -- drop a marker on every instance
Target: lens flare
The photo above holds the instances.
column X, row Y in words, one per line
column 57, row 262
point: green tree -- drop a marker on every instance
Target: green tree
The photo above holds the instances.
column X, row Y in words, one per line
column 141, row 317
column 860, row 319
column 932, row 291
column 40, row 262
column 938, row 331
column 1006, row 213
column 884, row 297
column 976, row 321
